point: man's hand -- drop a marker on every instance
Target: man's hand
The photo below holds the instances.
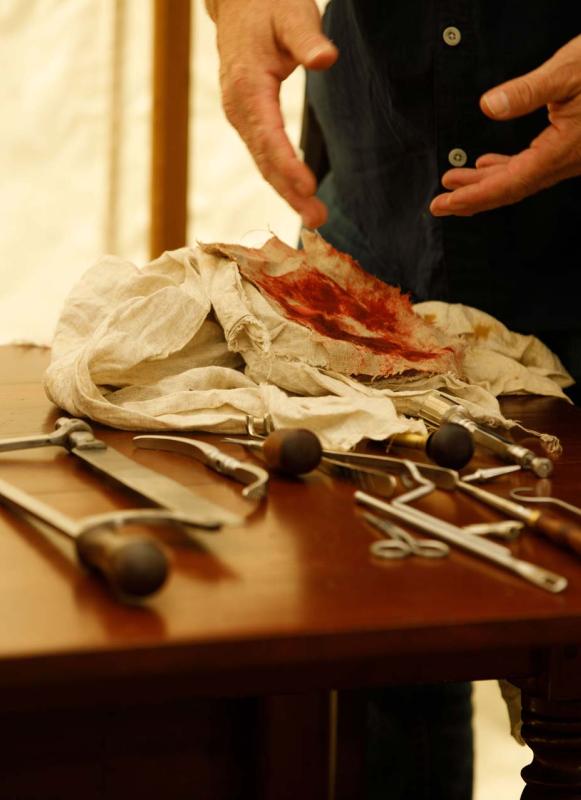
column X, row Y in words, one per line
column 555, row 154
column 260, row 43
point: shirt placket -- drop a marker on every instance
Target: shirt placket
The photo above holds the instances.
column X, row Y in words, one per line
column 456, row 115
column 455, row 96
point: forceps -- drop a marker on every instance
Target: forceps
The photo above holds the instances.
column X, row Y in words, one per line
column 400, row 544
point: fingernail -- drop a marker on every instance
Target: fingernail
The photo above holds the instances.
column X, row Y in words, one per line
column 312, row 219
column 446, row 205
column 319, row 49
column 497, row 102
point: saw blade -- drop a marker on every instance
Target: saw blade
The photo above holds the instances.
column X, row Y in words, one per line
column 161, row 490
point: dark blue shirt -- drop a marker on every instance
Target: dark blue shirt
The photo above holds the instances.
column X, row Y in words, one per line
column 402, row 99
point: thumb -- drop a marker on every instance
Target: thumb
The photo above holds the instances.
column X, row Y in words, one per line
column 299, row 30
column 536, row 89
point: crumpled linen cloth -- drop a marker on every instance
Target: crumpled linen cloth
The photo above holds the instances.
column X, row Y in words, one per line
column 188, row 343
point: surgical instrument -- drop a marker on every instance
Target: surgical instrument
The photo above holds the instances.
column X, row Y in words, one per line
column 450, row 445
column 560, row 531
column 439, row 409
column 368, row 477
column 442, row 476
column 399, row 543
column 508, row 529
column 255, row 478
column 253, row 424
column 372, row 480
column 134, row 566
column 77, row 437
column 430, row 477
column 487, row 473
column 292, row 451
column 451, row 534
column 523, row 494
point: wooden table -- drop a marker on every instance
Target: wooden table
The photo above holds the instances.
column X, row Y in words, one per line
column 218, row 687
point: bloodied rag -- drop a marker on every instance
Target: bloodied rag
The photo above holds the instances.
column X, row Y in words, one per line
column 202, row 337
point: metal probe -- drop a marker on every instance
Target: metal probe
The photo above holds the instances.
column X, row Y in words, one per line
column 255, row 478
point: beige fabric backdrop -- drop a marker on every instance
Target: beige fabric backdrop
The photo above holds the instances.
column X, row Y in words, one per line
column 75, row 151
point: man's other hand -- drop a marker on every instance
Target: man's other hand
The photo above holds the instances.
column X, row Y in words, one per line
column 499, row 180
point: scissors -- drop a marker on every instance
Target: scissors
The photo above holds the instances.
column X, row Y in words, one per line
column 401, row 544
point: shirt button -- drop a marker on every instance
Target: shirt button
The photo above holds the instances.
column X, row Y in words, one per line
column 457, row 157
column 452, row 36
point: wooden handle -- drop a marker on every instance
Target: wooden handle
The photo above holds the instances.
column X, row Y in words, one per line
column 293, row 451
column 563, row 532
column 134, row 566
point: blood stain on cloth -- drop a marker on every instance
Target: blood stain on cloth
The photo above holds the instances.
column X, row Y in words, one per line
column 317, row 301
column 329, row 293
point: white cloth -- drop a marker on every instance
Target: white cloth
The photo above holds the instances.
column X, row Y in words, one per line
column 185, row 343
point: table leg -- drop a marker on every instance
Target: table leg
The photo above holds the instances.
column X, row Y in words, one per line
column 295, row 746
column 350, row 719
column 552, row 728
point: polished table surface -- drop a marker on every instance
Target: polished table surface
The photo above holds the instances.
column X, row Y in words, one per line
column 288, row 603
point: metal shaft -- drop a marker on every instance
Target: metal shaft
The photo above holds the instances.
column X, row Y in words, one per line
column 498, row 554
column 444, row 478
column 510, row 507
column 438, row 409
column 255, row 478
column 77, row 437
column 134, row 566
column 540, row 465
column 57, row 438
column 39, row 510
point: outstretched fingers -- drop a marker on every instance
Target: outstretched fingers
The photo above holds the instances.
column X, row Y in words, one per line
column 493, row 186
column 261, row 126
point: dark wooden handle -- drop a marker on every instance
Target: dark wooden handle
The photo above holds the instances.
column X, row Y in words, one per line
column 294, row 451
column 134, row 566
column 562, row 531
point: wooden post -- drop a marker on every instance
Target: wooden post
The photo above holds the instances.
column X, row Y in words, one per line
column 170, row 117
column 551, row 714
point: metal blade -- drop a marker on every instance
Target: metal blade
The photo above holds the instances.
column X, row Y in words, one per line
column 161, row 490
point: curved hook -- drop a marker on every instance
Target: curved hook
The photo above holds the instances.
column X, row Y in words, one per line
column 523, row 494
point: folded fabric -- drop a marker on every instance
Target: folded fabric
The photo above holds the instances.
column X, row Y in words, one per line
column 197, row 340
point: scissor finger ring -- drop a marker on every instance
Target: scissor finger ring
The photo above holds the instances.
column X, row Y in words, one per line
column 389, row 548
